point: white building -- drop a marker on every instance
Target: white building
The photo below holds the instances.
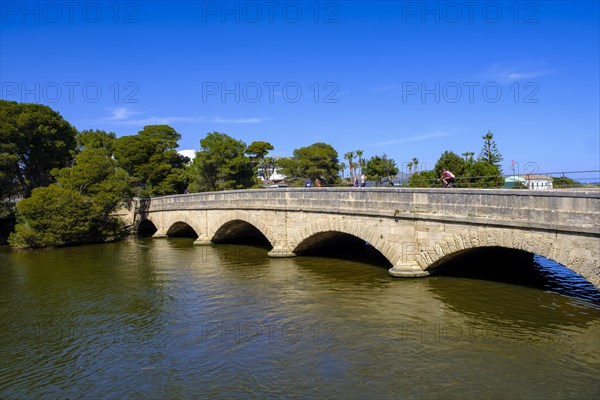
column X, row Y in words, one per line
column 276, row 175
column 538, row 182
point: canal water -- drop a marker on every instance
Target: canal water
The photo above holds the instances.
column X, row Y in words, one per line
column 162, row 319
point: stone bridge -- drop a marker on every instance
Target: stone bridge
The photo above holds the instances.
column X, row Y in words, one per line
column 416, row 230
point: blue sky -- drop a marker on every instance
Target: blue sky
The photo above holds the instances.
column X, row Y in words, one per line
column 409, row 79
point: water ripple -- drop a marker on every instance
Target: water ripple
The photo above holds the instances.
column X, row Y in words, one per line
column 164, row 319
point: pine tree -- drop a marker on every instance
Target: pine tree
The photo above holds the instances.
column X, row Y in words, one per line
column 489, row 153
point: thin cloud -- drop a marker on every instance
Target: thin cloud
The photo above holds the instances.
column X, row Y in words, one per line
column 124, row 116
column 413, row 138
column 504, row 73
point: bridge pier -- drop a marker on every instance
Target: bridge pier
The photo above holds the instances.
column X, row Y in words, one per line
column 281, row 253
column 159, row 235
column 407, row 270
column 203, row 240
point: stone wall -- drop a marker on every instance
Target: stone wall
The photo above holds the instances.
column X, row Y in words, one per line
column 415, row 229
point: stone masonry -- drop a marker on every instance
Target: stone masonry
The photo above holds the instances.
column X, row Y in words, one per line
column 415, row 229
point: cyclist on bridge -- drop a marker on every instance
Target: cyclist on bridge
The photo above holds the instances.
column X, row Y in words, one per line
column 447, row 178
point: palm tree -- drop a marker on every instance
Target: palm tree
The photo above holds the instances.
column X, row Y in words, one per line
column 270, row 161
column 262, row 166
column 409, row 166
column 359, row 154
column 415, row 162
column 350, row 157
column 343, row 168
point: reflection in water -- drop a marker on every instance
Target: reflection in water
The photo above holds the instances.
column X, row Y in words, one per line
column 342, row 246
column 165, row 319
column 517, row 267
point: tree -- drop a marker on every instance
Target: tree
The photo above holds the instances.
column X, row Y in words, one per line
column 96, row 175
column 34, row 139
column 378, row 168
column 96, row 139
column 259, row 149
column 481, row 174
column 52, row 216
column 565, row 182
column 221, row 164
column 423, row 179
column 468, row 156
column 270, row 166
column 257, row 152
column 151, row 159
column 489, row 153
column 267, row 165
column 415, row 163
column 350, row 157
column 449, row 161
column 343, row 167
column 361, row 164
column 79, row 208
column 9, row 187
column 319, row 160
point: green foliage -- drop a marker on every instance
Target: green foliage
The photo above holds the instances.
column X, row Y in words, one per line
column 423, row 179
column 413, row 165
column 257, row 152
column 349, row 156
column 490, row 153
column 449, row 161
column 78, row 208
column 519, row 185
column 480, row 174
column 318, row 160
column 151, row 159
column 565, row 182
column 96, row 174
column 361, row 161
column 259, row 149
column 468, row 156
column 221, row 164
column 378, row 168
column 96, row 139
column 53, row 216
column 9, row 185
column 34, row 139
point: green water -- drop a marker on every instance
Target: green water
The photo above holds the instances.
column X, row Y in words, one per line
column 162, row 319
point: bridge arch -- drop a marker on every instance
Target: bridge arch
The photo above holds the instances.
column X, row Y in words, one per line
column 181, row 229
column 162, row 225
column 236, row 223
column 146, row 226
column 322, row 230
column 535, row 243
column 341, row 245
